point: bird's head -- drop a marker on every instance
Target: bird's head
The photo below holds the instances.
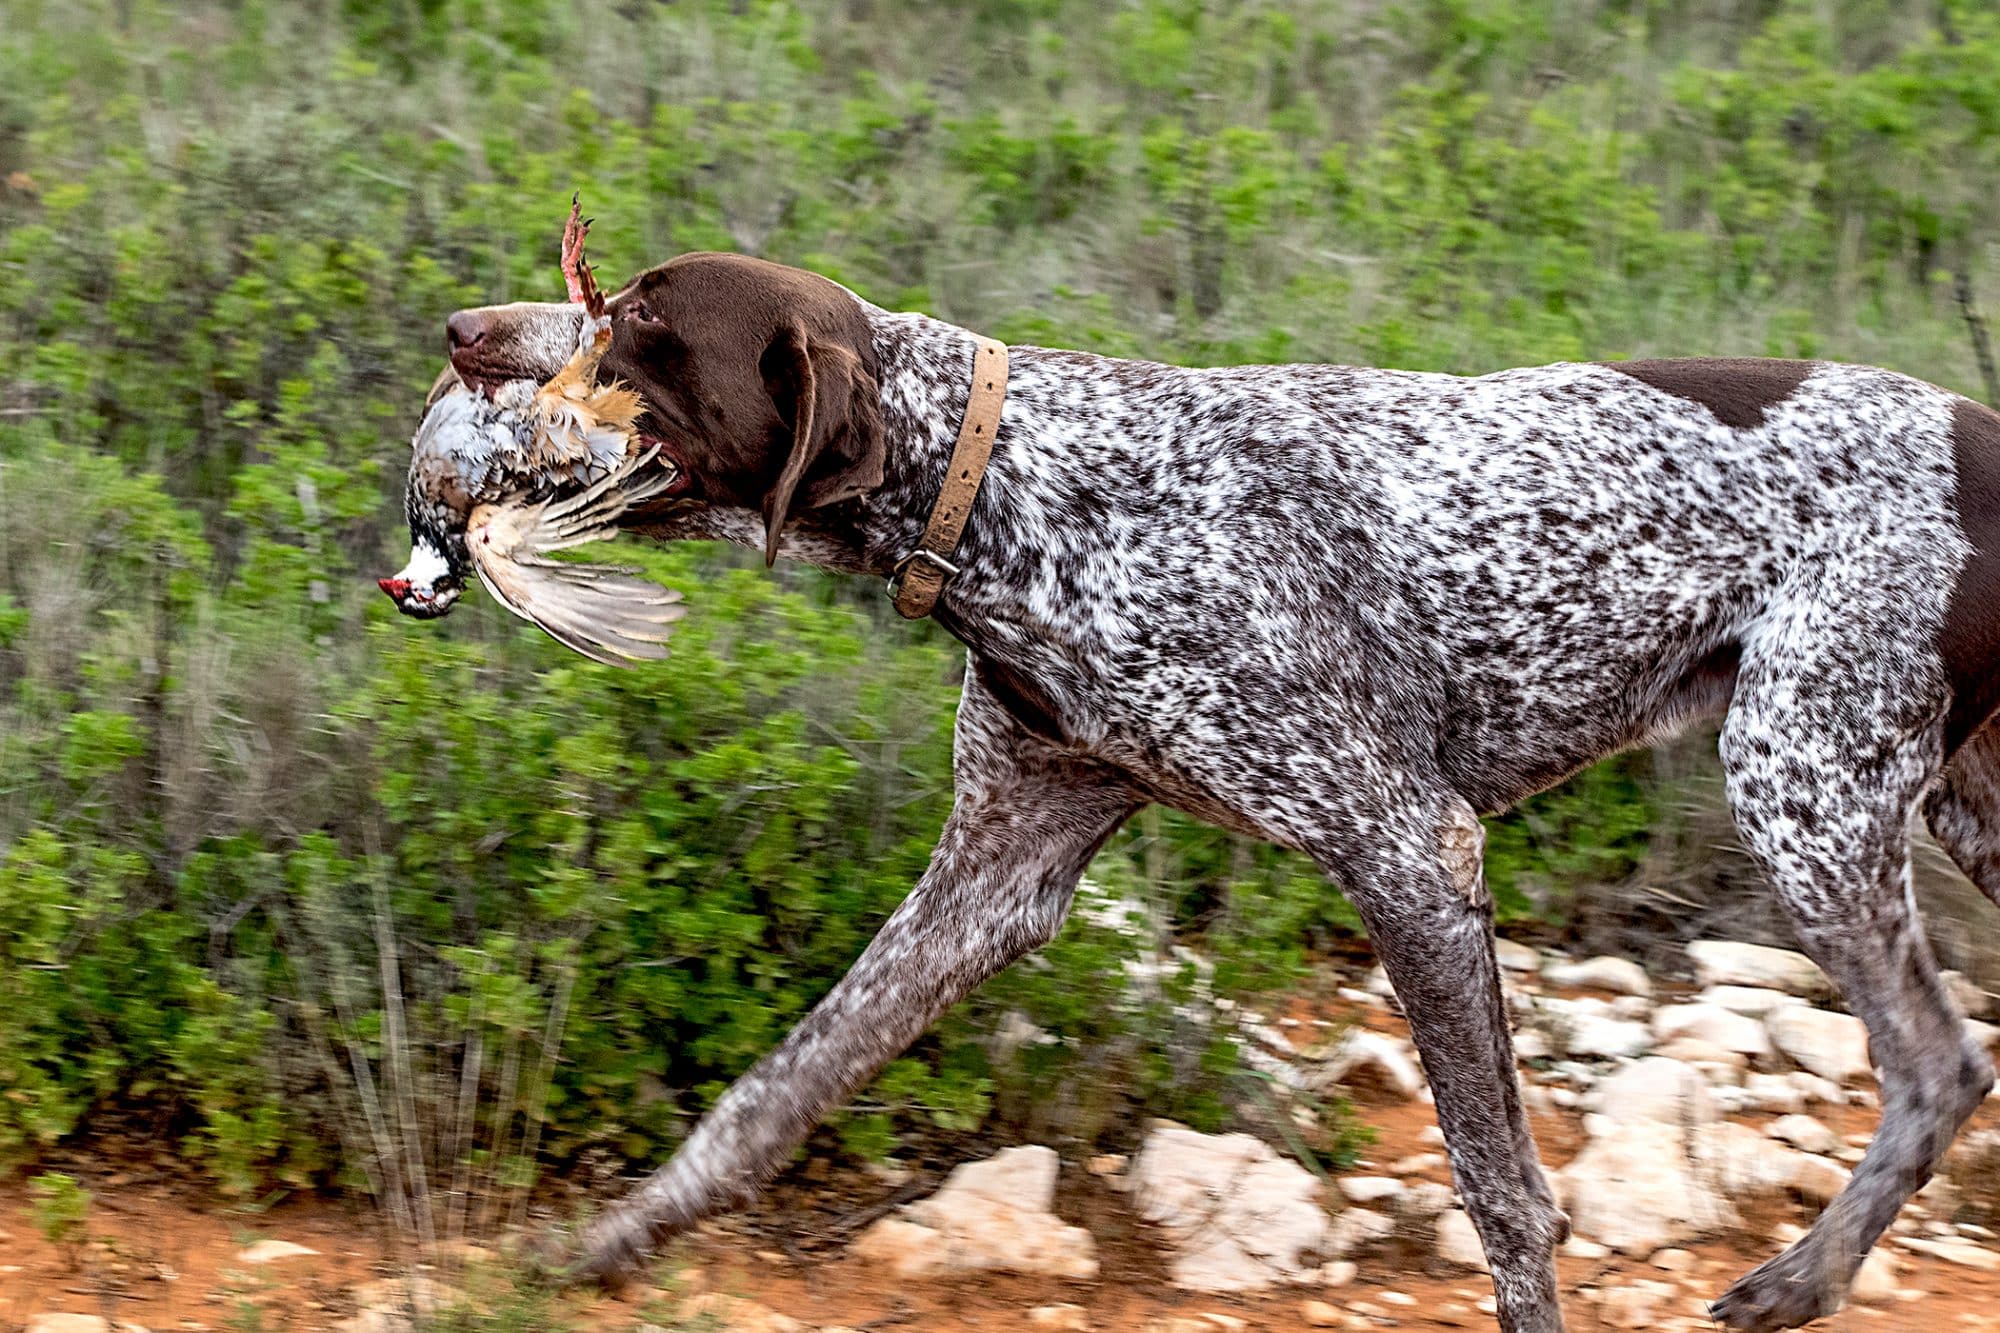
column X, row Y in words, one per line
column 435, row 576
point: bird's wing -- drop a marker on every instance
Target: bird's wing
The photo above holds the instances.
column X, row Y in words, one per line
column 601, row 611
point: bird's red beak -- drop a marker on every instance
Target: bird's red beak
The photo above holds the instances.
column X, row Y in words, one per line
column 399, row 589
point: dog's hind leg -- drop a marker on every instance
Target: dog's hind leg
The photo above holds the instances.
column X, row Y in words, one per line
column 1026, row 821
column 1963, row 810
column 1414, row 872
column 1833, row 737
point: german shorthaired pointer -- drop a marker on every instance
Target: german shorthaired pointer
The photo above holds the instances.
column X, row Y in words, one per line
column 1350, row 611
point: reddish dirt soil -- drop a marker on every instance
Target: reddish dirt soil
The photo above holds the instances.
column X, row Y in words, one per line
column 162, row 1255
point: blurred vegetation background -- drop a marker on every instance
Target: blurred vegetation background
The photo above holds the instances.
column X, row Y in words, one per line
column 320, row 896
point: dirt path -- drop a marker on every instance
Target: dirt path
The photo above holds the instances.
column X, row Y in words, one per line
column 164, row 1257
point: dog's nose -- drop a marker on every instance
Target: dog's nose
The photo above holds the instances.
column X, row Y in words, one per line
column 464, row 328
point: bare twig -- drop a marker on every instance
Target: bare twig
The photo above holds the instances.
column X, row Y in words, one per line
column 1982, row 341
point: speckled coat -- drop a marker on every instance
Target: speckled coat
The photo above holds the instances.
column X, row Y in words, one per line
column 1351, row 610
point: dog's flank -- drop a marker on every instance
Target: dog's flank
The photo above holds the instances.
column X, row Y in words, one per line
column 1347, row 611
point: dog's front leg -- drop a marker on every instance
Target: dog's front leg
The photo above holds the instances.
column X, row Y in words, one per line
column 1026, row 821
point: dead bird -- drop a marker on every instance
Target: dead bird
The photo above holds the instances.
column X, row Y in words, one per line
column 501, row 479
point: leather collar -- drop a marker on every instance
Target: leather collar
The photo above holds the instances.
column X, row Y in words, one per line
column 920, row 577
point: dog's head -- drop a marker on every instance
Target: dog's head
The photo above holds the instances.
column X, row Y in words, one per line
column 759, row 380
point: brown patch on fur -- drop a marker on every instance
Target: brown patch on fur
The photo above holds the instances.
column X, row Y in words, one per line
column 1737, row 389
column 1970, row 638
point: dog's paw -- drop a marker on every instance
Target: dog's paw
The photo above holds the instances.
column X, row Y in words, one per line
column 1790, row 1290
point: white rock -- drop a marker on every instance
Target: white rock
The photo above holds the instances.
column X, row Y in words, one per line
column 1674, row 1260
column 1339, row 1273
column 1237, row 1217
column 1633, row 1304
column 1516, row 957
column 734, row 1314
column 1715, row 1025
column 1319, row 1314
column 1803, row 1132
column 1359, row 1227
column 1065, row 1317
column 1381, row 1055
column 1369, row 1189
column 58, row 1322
column 1621, row 976
column 1717, row 1065
column 1655, row 1089
column 1973, row 1001
column 270, row 1251
column 1458, row 1241
column 1728, row 963
column 1577, row 1247
column 1817, row 1089
column 1750, row 1001
column 1631, row 1189
column 1607, row 1038
column 989, row 1215
column 1834, row 1046
column 1961, row 1252
column 1774, row 1093
column 1875, row 1281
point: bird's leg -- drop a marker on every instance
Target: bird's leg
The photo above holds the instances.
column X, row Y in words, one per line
column 577, row 277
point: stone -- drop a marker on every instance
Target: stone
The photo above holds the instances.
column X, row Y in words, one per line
column 1953, row 1251
column 1458, row 1241
column 1236, row 1216
column 1729, row 963
column 1834, row 1046
column 1516, row 957
column 1817, row 1089
column 1339, row 1273
column 1715, row 1025
column 991, row 1215
column 1673, row 1260
column 1369, row 1189
column 733, row 1314
column 1383, row 1057
column 1631, row 1189
column 1107, row 1164
column 270, row 1251
column 58, row 1322
column 1065, row 1317
column 1656, row 1089
column 1621, row 976
column 1750, row 1001
column 1716, row 1064
column 1417, row 1163
column 1816, row 1178
column 1632, row 1304
column 1773, row 1092
column 1357, row 1228
column 1320, row 1314
column 1875, row 1280
column 1591, row 1036
column 1578, row 1247
column 1966, row 994
column 1804, row 1133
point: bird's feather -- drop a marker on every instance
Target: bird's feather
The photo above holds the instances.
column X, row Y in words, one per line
column 601, row 611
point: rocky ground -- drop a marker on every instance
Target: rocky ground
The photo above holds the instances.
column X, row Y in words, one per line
column 1693, row 1126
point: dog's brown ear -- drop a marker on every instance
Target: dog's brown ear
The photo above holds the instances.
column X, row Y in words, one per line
column 833, row 405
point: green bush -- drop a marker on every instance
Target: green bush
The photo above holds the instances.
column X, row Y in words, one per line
column 333, row 897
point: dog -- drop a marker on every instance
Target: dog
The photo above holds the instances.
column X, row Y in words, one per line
column 1350, row 611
